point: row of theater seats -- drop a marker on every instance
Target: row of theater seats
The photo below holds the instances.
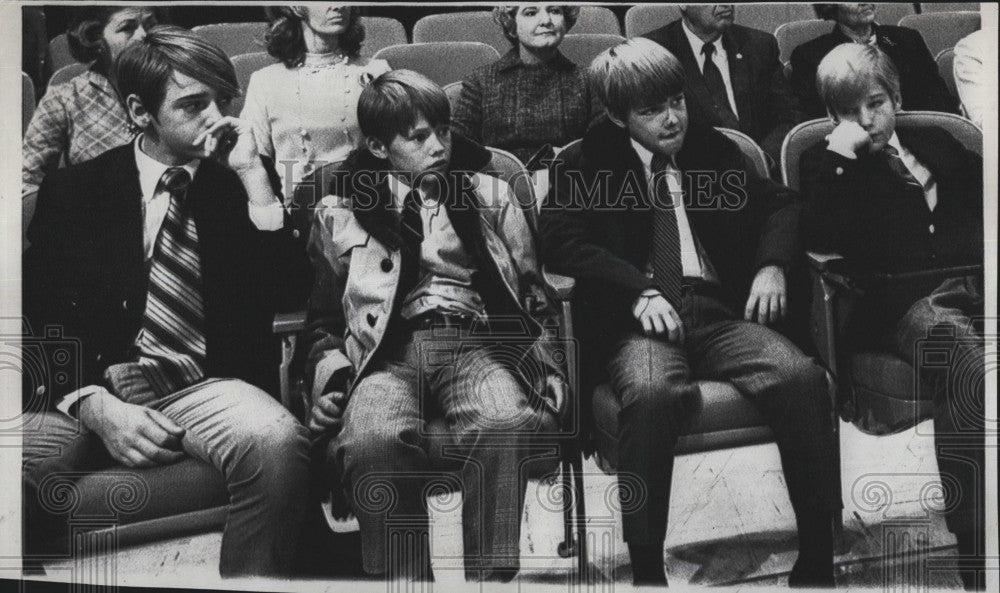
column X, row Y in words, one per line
column 447, row 47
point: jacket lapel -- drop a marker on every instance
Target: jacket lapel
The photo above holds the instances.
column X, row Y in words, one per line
column 739, row 75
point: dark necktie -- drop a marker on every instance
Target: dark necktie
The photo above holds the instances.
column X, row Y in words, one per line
column 666, row 252
column 899, row 168
column 171, row 344
column 412, row 230
column 717, row 87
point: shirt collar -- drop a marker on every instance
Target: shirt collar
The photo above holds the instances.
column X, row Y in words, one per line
column 917, row 169
column 646, row 157
column 697, row 44
column 151, row 170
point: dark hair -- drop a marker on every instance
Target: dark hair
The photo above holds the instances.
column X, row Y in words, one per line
column 633, row 74
column 86, row 25
column 285, row 41
column 144, row 67
column 391, row 104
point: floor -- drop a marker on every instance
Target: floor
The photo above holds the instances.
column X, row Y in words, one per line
column 731, row 524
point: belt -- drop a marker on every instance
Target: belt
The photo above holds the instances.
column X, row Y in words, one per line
column 445, row 319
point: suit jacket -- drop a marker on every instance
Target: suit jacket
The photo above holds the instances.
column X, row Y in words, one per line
column 767, row 107
column 86, row 271
column 358, row 256
column 919, row 83
column 596, row 224
column 862, row 210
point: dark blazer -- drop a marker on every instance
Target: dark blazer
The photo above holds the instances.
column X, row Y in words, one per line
column 596, row 224
column 767, row 107
column 863, row 211
column 919, row 83
column 86, row 272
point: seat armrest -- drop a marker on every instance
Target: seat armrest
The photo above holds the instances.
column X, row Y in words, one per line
column 559, row 287
column 286, row 323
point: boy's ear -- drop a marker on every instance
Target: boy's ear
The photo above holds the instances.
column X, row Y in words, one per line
column 376, row 147
column 137, row 112
column 897, row 101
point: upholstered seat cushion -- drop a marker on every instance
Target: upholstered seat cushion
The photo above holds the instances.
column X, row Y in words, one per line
column 724, row 418
column 888, row 395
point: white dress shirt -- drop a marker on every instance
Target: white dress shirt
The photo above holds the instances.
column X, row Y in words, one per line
column 720, row 58
column 691, row 265
column 445, row 282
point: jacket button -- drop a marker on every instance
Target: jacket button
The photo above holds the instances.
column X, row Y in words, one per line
column 931, row 229
column 98, row 357
column 372, row 319
column 296, row 234
column 40, row 390
column 840, row 170
column 125, row 304
column 386, row 265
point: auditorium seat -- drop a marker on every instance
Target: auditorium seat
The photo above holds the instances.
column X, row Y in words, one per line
column 443, row 62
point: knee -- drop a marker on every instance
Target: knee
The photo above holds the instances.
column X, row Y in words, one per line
column 275, row 448
column 375, row 447
column 656, row 392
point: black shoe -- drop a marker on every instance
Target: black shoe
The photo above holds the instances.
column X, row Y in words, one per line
column 812, row 574
column 647, row 565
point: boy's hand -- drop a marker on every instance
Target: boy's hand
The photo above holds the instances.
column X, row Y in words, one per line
column 135, row 436
column 657, row 316
column 230, row 141
column 848, row 138
column 768, row 296
column 326, row 413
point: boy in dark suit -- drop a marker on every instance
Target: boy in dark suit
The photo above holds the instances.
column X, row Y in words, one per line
column 167, row 258
column 733, row 76
column 900, row 201
column 680, row 256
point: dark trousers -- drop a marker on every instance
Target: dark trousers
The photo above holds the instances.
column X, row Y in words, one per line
column 656, row 383
column 939, row 335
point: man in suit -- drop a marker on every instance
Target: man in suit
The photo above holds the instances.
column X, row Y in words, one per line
column 920, row 83
column 734, row 77
column 167, row 259
column 903, row 201
column 680, row 253
column 423, row 265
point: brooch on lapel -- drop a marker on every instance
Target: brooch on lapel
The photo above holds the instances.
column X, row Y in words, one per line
column 739, row 56
column 365, row 79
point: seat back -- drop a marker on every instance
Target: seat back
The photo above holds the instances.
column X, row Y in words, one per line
column 752, row 152
column 946, row 69
column 443, row 62
column 67, row 73
column 245, row 65
column 792, row 35
column 59, row 54
column 582, row 49
column 454, row 91
column 477, row 26
column 929, row 7
column 942, row 30
column 889, row 13
column 234, row 38
column 381, row 32
column 596, row 20
column 807, row 134
column 507, row 167
column 643, row 18
column 27, row 101
column 768, row 17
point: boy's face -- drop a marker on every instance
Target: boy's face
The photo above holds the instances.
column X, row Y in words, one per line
column 422, row 149
column 189, row 107
column 660, row 128
column 875, row 111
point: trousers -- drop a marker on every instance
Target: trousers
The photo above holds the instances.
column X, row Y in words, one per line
column 260, row 448
column 382, row 451
column 656, row 382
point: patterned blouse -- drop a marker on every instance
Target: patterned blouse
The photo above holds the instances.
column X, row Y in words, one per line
column 75, row 121
column 519, row 107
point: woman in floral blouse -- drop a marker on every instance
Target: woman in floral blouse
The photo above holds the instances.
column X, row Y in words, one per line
column 533, row 95
column 304, row 109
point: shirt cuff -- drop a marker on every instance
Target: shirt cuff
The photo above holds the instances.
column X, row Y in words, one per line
column 847, row 154
column 69, row 404
column 267, row 218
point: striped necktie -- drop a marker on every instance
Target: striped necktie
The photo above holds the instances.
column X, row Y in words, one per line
column 171, row 342
column 717, row 88
column 899, row 167
column 666, row 253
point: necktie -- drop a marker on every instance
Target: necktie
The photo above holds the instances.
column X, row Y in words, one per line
column 899, row 168
column 412, row 231
column 717, row 87
column 666, row 253
column 171, row 343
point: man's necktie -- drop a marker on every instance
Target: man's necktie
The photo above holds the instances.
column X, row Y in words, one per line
column 171, row 343
column 717, row 87
column 666, row 253
column 899, row 167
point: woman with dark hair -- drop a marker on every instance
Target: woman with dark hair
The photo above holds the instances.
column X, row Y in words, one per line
column 82, row 118
column 533, row 95
column 920, row 84
column 304, row 110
